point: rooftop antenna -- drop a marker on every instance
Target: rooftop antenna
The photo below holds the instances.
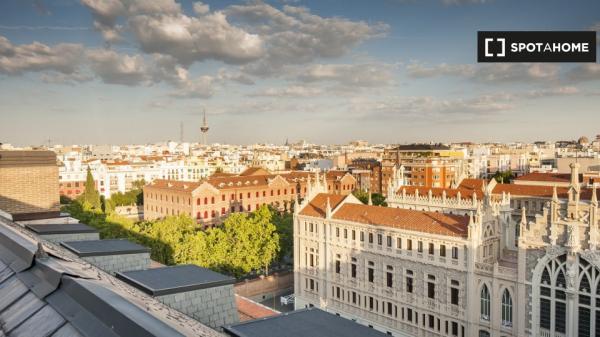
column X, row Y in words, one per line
column 204, row 128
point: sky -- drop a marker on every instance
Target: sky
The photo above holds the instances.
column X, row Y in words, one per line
column 324, row 71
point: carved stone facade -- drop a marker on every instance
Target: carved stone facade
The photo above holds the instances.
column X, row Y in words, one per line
column 536, row 276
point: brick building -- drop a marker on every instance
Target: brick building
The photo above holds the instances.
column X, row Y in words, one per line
column 368, row 173
column 423, row 165
column 29, row 184
column 212, row 199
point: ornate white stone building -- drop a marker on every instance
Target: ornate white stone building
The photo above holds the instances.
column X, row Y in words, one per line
column 410, row 272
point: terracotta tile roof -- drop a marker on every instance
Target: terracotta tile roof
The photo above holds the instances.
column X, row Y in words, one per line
column 253, row 171
column 472, row 184
column 318, row 205
column 249, row 310
column 418, row 221
column 174, row 184
column 549, row 177
column 541, row 191
column 437, row 191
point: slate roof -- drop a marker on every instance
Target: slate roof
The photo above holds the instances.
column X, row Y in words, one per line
column 174, row 279
column 47, row 291
column 311, row 322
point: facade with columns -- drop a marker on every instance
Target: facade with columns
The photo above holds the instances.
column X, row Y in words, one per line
column 410, row 272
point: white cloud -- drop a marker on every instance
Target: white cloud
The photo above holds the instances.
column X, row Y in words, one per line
column 201, row 8
column 160, row 26
column 498, row 72
column 115, row 68
column 16, row 59
column 584, row 72
column 295, row 36
column 428, row 108
column 196, row 39
column 349, row 75
column 292, row 91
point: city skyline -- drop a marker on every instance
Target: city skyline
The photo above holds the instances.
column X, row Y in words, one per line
column 106, row 72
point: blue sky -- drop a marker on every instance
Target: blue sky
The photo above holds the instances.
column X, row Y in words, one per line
column 130, row 71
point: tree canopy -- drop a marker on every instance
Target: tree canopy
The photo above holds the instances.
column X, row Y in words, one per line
column 376, row 198
column 504, row 177
column 245, row 242
column 90, row 194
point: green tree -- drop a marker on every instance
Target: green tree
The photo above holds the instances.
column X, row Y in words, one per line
column 504, row 177
column 284, row 224
column 265, row 237
column 376, row 198
column 91, row 195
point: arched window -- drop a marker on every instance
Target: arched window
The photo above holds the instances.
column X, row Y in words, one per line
column 206, row 201
column 552, row 302
column 485, row 303
column 507, row 319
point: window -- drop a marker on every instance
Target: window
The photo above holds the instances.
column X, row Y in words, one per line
column 420, row 246
column 485, row 303
column 431, row 287
column 455, row 253
column 362, row 236
column 389, row 241
column 431, row 249
column 390, row 276
column 379, row 239
column 506, row 309
column 353, row 235
column 409, row 281
column 409, row 244
column 345, row 233
column 399, row 243
column 454, row 291
column 337, row 232
column 338, row 264
column 483, row 333
column 371, row 272
column 443, row 250
column 353, row 268
column 370, row 237
column 454, row 329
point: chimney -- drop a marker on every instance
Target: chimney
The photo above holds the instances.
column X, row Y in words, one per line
column 197, row 292
column 111, row 256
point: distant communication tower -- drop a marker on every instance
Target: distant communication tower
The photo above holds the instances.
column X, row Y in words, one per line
column 204, row 129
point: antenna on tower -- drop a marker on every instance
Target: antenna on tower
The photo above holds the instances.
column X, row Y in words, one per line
column 204, row 128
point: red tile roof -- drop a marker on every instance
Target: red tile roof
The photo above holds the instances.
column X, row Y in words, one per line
column 318, row 205
column 249, row 310
column 548, row 177
column 472, row 184
column 541, row 191
column 253, row 171
column 418, row 221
